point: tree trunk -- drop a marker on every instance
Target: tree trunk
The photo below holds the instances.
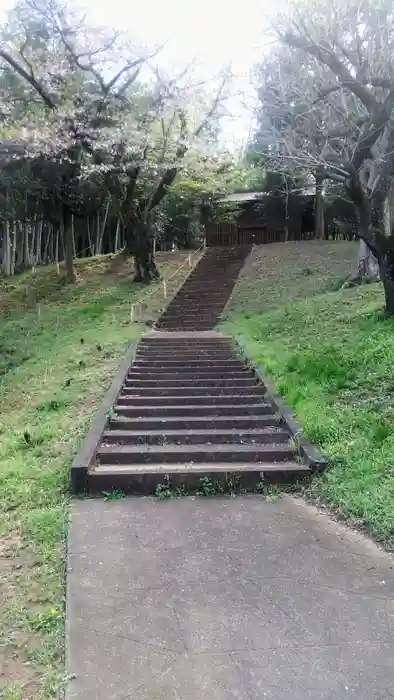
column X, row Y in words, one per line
column 6, row 249
column 13, row 248
column 144, row 258
column 39, row 243
column 367, row 264
column 26, row 249
column 388, row 213
column 319, row 207
column 116, row 244
column 68, row 233
column 136, row 245
column 91, row 245
column 387, row 277
column 142, row 255
column 57, row 249
column 102, row 228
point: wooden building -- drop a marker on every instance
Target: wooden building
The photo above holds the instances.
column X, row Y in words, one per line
column 259, row 217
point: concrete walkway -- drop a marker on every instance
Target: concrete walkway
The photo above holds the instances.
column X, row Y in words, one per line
column 221, row 599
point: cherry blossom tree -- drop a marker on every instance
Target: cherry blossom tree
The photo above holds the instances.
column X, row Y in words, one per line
column 80, row 98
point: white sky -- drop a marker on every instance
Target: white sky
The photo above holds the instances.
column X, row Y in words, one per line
column 213, row 32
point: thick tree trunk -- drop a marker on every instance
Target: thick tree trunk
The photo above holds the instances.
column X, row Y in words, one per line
column 367, row 264
column 139, row 242
column 142, row 255
column 388, row 213
column 68, row 233
column 129, row 239
column 387, row 277
column 319, row 208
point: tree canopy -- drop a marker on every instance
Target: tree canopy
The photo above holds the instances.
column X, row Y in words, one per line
column 94, row 136
column 326, row 96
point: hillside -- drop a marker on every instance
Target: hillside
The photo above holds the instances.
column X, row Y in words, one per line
column 59, row 348
column 331, row 354
column 277, row 273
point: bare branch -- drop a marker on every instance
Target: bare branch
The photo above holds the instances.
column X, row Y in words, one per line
column 328, row 58
column 29, row 77
column 215, row 103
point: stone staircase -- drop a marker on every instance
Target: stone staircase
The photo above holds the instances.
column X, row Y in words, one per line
column 188, row 406
column 202, row 298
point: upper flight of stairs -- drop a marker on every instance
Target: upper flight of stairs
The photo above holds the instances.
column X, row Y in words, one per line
column 201, row 299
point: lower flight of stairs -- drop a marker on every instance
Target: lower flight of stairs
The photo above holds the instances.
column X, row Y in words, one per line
column 203, row 296
column 190, row 407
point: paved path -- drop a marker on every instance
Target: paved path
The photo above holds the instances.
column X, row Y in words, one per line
column 223, row 599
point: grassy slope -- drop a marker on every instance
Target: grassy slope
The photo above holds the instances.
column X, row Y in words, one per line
column 331, row 355
column 59, row 348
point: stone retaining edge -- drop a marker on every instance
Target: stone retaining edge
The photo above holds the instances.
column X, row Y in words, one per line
column 86, row 455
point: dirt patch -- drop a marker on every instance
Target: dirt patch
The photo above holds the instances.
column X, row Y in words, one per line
column 15, row 669
column 19, row 674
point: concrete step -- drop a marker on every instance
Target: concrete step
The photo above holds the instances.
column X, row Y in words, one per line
column 196, row 322
column 188, row 364
column 202, row 304
column 191, row 391
column 169, row 454
column 186, row 347
column 202, row 410
column 164, row 340
column 211, row 295
column 172, row 326
column 198, row 291
column 143, row 479
column 189, row 313
column 185, row 372
column 164, row 423
column 180, row 327
column 189, row 346
column 186, row 307
column 186, row 311
column 206, row 295
column 126, row 399
column 196, row 437
column 199, row 468
column 163, row 356
column 183, row 385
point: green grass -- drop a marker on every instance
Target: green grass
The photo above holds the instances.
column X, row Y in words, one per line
column 277, row 273
column 59, row 349
column 331, row 356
